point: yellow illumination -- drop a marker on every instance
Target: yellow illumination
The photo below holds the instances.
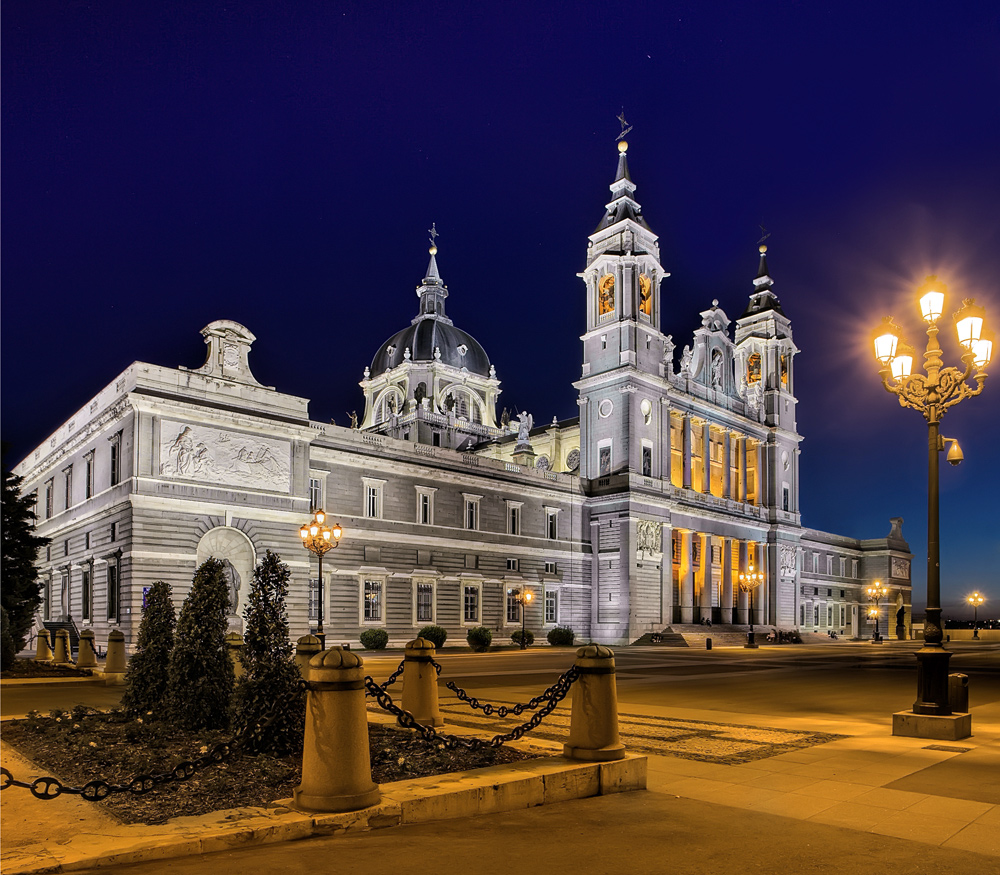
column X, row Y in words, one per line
column 975, row 599
column 932, row 298
column 304, row 532
column 982, row 351
column 527, row 596
column 326, row 534
column 969, row 323
column 314, row 530
column 886, row 338
column 320, row 516
column 902, row 364
column 337, row 532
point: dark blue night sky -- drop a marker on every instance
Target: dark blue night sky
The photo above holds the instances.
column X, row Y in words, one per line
column 165, row 165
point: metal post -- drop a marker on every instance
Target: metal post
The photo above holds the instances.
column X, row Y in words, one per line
column 319, row 626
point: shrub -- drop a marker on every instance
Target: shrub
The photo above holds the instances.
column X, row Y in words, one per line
column 437, row 635
column 200, row 675
column 561, row 636
column 146, row 676
column 374, row 639
column 270, row 674
column 479, row 638
column 529, row 637
column 8, row 650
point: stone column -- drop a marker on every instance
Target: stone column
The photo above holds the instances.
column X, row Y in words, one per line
column 114, row 662
column 593, row 728
column 727, row 473
column 727, row 580
column 336, row 766
column 87, row 657
column 43, row 650
column 742, row 461
column 420, row 692
column 706, row 458
column 686, row 435
column 759, row 475
column 705, row 578
column 667, row 574
column 760, row 598
column 305, row 649
column 62, row 655
column 687, row 578
column 742, row 614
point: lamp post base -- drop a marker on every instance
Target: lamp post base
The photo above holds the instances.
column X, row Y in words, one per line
column 751, row 644
column 932, row 681
column 949, row 727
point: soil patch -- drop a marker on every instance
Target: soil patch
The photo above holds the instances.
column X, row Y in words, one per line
column 22, row 669
column 86, row 745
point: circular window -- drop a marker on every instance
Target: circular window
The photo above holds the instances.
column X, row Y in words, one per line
column 573, row 460
column 605, row 408
column 542, row 463
column 645, row 407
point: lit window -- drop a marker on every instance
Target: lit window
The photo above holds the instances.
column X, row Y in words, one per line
column 551, row 606
column 470, row 604
column 513, row 607
column 373, row 601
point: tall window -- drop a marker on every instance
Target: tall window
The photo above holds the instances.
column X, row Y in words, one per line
column 470, row 604
column 313, row 599
column 315, row 493
column 785, row 498
column 87, row 592
column 513, row 607
column 373, row 497
column 88, row 473
column 47, row 599
column 114, row 532
column 604, row 460
column 472, row 511
column 373, row 601
column 513, row 518
column 843, row 566
column 116, row 459
column 68, row 484
column 802, row 615
column 816, row 616
column 551, row 523
column 647, row 461
column 425, row 505
column 425, row 602
column 114, row 589
column 48, row 498
column 551, row 606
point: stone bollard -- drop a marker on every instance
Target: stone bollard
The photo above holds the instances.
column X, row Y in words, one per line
column 305, row 649
column 61, row 653
column 336, row 766
column 43, row 650
column 593, row 728
column 114, row 663
column 234, row 647
column 87, row 657
column 420, row 692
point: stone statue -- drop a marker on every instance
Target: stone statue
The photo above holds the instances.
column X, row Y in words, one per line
column 524, row 425
column 233, row 581
column 354, row 418
column 686, row 360
column 716, row 370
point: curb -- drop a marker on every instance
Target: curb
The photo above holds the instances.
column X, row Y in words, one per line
column 492, row 790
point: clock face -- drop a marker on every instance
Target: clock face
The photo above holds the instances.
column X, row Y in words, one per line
column 606, row 295
column 645, row 295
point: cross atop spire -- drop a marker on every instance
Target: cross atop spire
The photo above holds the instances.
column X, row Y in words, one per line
column 626, row 127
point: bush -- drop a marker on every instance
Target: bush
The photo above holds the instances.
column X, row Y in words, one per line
column 270, row 674
column 146, row 676
column 479, row 638
column 200, row 674
column 529, row 637
column 8, row 650
column 374, row 639
column 437, row 635
column 561, row 636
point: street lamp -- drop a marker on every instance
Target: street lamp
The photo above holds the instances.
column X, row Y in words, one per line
column 523, row 598
column 932, row 393
column 876, row 592
column 319, row 538
column 749, row 581
column 976, row 599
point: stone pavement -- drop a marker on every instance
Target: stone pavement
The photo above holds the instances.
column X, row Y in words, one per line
column 916, row 799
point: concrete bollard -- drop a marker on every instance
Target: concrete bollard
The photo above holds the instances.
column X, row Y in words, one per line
column 305, row 649
column 336, row 766
column 43, row 649
column 61, row 653
column 87, row 657
column 420, row 692
column 593, row 728
column 114, row 663
column 234, row 648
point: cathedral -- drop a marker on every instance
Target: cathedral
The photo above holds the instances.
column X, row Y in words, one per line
column 672, row 499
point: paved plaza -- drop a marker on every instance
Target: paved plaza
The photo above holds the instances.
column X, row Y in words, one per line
column 776, row 760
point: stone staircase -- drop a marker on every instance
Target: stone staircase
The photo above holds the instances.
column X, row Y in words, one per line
column 664, row 638
column 74, row 636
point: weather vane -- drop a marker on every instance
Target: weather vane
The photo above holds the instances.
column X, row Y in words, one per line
column 626, row 127
column 433, row 231
column 764, row 233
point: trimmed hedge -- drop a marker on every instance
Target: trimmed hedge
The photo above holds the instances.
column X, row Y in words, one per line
column 561, row 636
column 437, row 635
column 374, row 639
column 479, row 638
column 529, row 637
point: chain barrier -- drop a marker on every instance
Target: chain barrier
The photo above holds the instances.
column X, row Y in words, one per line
column 502, row 710
column 392, row 678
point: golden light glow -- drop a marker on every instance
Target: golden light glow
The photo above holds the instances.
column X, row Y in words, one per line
column 314, row 530
column 982, row 351
column 969, row 323
column 902, row 364
column 932, row 298
column 606, row 295
column 886, row 339
column 337, row 532
column 623, row 145
column 976, row 599
column 320, row 516
column 304, row 532
column 527, row 595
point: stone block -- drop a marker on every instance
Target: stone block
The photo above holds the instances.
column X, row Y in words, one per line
column 575, row 781
column 950, row 727
column 620, row 776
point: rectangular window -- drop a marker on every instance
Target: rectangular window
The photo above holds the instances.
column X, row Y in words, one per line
column 815, row 563
column 86, row 540
column 550, row 568
column 114, row 532
column 551, row 606
column 647, row 461
column 88, row 473
column 552, row 524
column 816, row 616
column 471, row 512
column 373, row 497
column 470, row 604
column 513, row 565
column 513, row 607
column 802, row 615
column 315, row 494
column 116, row 459
column 48, row 499
column 66, row 548
column 843, row 567
column 425, row 505
column 604, row 461
column 785, row 499
column 47, row 600
column 829, row 565
column 854, row 568
column 68, row 484
column 829, row 615
column 113, row 589
column 843, row 615
column 86, row 592
column 314, row 600
column 425, row 603
column 513, row 518
column 373, row 601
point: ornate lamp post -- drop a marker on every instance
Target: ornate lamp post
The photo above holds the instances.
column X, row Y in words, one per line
column 876, row 592
column 975, row 600
column 320, row 539
column 932, row 393
column 749, row 581
column 523, row 597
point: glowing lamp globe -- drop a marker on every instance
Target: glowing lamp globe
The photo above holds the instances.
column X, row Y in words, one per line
column 982, row 351
column 932, row 299
column 886, row 338
column 969, row 323
column 902, row 364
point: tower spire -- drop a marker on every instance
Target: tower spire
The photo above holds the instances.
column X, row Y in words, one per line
column 763, row 297
column 432, row 291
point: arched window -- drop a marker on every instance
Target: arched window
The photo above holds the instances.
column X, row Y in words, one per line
column 389, row 402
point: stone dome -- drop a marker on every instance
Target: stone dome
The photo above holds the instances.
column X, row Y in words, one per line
column 458, row 348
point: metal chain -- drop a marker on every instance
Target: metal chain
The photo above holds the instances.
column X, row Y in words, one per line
column 503, row 710
column 394, row 677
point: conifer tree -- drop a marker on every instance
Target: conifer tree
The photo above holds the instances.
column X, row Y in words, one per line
column 146, row 677
column 21, row 593
column 199, row 674
column 269, row 706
